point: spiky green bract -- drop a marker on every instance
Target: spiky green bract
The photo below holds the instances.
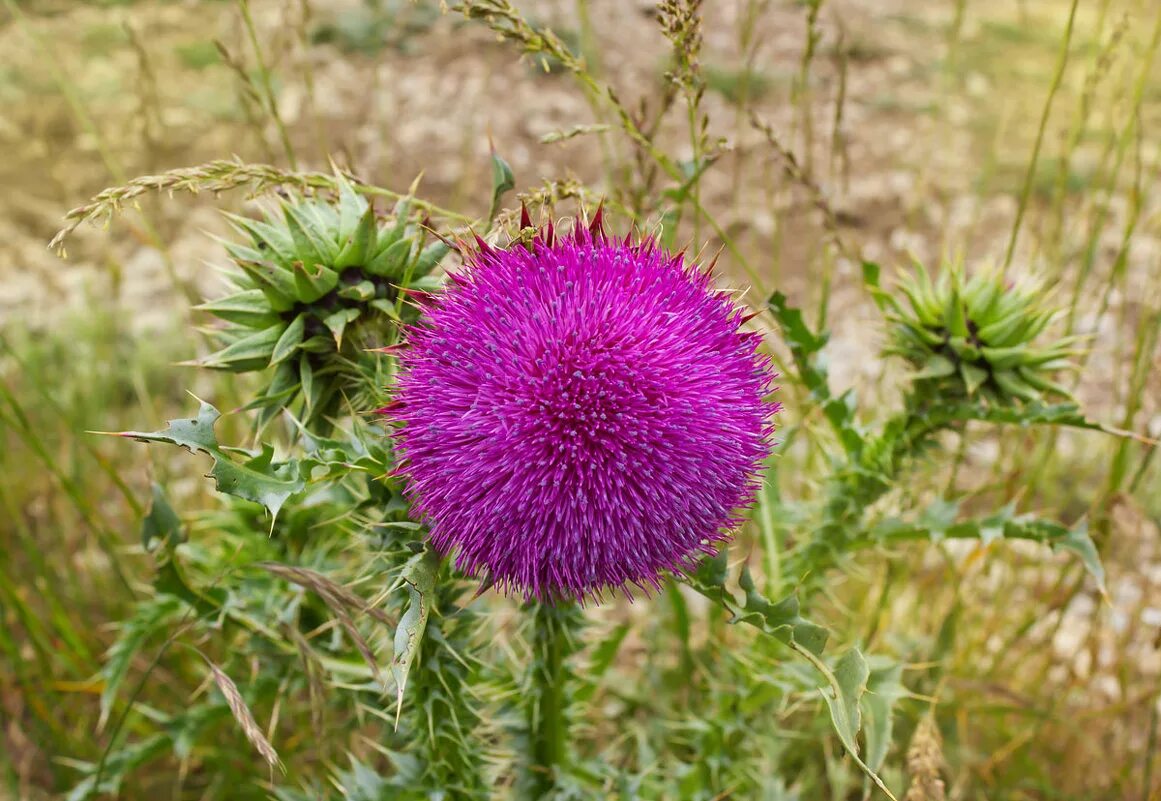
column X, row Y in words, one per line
column 977, row 337
column 316, row 285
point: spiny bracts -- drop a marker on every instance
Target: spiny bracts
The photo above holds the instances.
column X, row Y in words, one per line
column 580, row 414
column 969, row 337
column 317, row 284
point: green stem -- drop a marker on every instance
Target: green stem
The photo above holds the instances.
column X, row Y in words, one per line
column 553, row 642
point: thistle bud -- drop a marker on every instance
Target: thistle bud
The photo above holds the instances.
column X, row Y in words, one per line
column 316, row 285
column 977, row 337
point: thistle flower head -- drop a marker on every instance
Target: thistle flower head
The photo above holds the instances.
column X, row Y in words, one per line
column 969, row 337
column 581, row 414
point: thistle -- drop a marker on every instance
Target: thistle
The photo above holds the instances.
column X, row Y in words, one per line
column 581, row 414
column 316, row 285
column 976, row 337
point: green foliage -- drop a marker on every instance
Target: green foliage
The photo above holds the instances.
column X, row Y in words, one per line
column 258, row 478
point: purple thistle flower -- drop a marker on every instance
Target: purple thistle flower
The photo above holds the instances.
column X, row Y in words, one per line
column 581, row 414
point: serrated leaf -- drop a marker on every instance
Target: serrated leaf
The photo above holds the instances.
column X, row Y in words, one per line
column 780, row 620
column 392, row 260
column 846, row 686
column 196, row 434
column 939, row 516
column 359, row 246
column 337, row 322
column 419, row 575
column 362, row 291
column 248, row 353
column 249, row 308
column 1014, row 386
column 843, row 697
column 274, row 281
column 310, row 247
column 271, row 240
column 936, row 367
column 1078, row 541
column 353, row 209
column 312, row 281
column 973, row 377
column 1004, row 523
column 258, row 479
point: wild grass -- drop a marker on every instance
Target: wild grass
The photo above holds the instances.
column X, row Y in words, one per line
column 1010, row 672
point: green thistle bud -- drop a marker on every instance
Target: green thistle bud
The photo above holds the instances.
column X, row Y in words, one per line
column 317, row 284
column 976, row 337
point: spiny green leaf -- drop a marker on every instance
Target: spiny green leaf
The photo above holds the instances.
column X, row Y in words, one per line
column 392, row 260
column 843, row 697
column 846, row 686
column 1078, row 541
column 259, row 479
column 780, row 620
column 1004, row 523
column 193, row 433
column 361, row 243
column 419, row 575
column 310, row 246
column 275, row 282
column 312, row 281
column 249, row 308
column 337, row 322
column 937, row 367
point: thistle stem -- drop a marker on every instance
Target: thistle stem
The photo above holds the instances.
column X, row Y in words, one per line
column 553, row 641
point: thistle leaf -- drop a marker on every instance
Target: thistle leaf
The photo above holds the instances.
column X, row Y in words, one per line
column 503, row 181
column 419, row 575
column 780, row 620
column 258, row 479
column 884, row 689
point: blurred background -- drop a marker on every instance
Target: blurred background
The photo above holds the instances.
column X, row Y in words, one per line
column 930, row 127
